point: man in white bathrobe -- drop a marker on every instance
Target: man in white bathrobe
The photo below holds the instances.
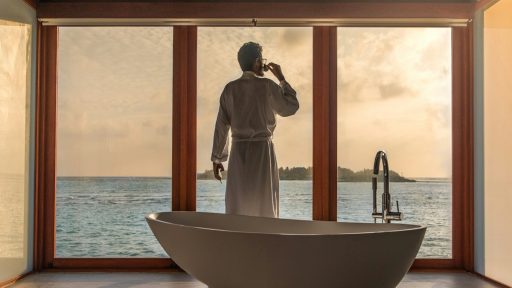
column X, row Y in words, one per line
column 248, row 106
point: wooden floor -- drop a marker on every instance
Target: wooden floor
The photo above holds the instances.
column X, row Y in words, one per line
column 182, row 280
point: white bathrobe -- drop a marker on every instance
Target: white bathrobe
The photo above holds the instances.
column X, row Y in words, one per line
column 248, row 106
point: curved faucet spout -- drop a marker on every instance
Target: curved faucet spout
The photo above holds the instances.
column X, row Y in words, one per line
column 385, row 170
column 386, row 215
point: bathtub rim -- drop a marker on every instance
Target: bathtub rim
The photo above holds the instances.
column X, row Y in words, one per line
column 149, row 216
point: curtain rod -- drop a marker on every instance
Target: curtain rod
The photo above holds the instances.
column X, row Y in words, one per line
column 258, row 22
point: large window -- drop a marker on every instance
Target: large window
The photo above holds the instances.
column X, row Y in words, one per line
column 114, row 119
column 15, row 41
column 292, row 48
column 113, row 139
column 394, row 94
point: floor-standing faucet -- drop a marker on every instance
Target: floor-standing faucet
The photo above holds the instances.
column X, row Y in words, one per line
column 386, row 215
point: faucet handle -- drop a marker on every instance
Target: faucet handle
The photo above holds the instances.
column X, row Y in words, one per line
column 395, row 216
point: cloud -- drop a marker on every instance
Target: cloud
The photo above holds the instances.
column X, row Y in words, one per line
column 394, row 94
column 392, row 90
column 114, row 101
column 115, row 89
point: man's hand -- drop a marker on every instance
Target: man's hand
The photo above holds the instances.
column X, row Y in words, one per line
column 276, row 70
column 216, row 168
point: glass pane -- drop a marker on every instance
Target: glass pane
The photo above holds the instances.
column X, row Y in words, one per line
column 113, row 139
column 15, row 65
column 292, row 48
column 394, row 94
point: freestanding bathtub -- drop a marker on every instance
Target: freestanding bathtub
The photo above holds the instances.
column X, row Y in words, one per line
column 234, row 251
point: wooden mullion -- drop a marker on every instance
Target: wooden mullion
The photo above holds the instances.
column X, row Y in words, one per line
column 192, row 117
column 37, row 259
column 184, row 118
column 462, row 148
column 469, row 195
column 324, row 123
column 45, row 147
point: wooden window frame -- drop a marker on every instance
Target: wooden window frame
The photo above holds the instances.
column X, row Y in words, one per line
column 184, row 146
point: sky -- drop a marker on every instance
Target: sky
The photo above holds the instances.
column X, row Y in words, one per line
column 395, row 91
column 115, row 89
column 114, row 101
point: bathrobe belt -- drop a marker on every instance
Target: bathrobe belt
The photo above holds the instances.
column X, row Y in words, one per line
column 252, row 139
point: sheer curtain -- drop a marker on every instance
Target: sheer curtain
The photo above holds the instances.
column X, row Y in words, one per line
column 16, row 98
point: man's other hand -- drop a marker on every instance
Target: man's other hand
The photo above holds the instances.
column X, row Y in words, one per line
column 217, row 168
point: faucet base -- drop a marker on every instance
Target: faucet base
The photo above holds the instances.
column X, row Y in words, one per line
column 395, row 216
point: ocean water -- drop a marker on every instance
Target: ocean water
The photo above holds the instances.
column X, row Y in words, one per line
column 104, row 217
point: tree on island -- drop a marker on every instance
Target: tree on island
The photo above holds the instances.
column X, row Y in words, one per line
column 365, row 175
column 296, row 173
column 306, row 173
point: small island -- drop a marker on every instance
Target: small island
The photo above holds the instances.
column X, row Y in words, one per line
column 306, row 173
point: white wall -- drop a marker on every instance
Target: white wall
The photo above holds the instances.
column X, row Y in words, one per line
column 14, row 263
column 497, row 144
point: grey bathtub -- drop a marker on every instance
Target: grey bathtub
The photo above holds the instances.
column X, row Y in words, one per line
column 234, row 251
